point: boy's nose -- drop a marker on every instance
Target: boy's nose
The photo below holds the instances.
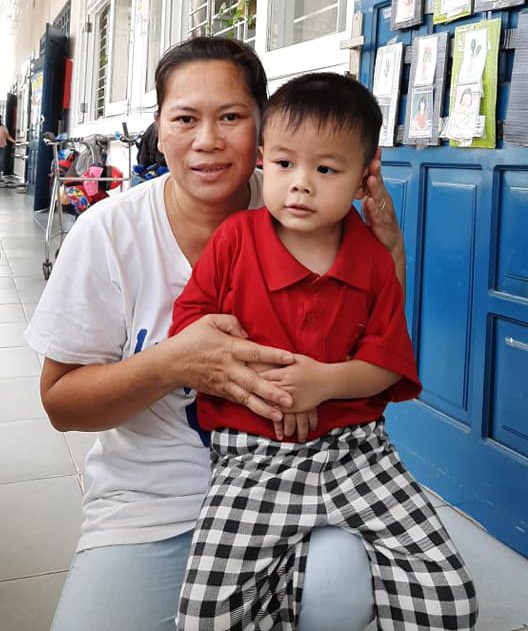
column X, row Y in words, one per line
column 301, row 185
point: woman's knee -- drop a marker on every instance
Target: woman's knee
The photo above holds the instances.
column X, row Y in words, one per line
column 338, row 586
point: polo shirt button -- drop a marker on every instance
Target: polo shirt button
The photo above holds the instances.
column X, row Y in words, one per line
column 310, row 318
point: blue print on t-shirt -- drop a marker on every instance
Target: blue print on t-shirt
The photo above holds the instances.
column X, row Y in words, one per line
column 192, row 419
column 190, row 410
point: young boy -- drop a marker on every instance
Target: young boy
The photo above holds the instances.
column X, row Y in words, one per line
column 306, row 275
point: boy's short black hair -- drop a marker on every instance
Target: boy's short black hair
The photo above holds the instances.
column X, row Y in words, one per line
column 329, row 99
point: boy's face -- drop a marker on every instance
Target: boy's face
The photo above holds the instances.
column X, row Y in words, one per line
column 311, row 175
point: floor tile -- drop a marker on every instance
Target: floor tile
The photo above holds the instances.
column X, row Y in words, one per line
column 80, row 444
column 31, row 450
column 18, row 362
column 12, row 313
column 42, row 528
column 9, row 296
column 29, row 288
column 500, row 574
column 5, row 271
column 435, row 500
column 11, row 334
column 7, row 283
column 29, row 309
column 28, row 604
column 20, row 399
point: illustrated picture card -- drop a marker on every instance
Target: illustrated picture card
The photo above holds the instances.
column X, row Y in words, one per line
column 474, row 80
column 464, row 116
column 426, row 89
column 493, row 5
column 426, row 60
column 473, row 56
column 421, row 121
column 406, row 13
column 448, row 10
column 387, row 75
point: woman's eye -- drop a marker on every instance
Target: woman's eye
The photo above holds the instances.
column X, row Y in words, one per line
column 324, row 169
column 184, row 120
column 231, row 116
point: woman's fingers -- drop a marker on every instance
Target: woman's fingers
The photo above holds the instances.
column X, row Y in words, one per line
column 254, row 403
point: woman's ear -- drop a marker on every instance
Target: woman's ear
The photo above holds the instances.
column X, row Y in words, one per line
column 156, row 122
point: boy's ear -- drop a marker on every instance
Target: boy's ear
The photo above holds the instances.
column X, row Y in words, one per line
column 260, row 153
column 362, row 188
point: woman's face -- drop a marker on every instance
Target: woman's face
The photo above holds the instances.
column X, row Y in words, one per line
column 208, row 131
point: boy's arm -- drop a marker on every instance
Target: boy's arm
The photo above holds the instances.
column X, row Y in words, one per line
column 311, row 382
column 202, row 294
column 383, row 359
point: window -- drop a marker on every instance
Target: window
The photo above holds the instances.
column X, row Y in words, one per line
column 231, row 18
column 102, row 61
column 120, row 53
column 154, row 42
column 303, row 20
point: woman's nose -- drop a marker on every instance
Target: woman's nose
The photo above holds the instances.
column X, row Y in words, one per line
column 207, row 137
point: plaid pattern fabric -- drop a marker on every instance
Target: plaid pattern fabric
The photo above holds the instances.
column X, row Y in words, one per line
column 246, row 568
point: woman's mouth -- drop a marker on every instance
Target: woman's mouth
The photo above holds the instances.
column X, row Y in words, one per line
column 210, row 172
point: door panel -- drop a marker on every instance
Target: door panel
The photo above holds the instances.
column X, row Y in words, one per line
column 464, row 214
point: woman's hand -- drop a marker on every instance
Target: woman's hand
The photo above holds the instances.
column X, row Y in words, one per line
column 213, row 353
column 379, row 215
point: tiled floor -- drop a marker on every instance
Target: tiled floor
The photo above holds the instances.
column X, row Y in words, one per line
column 41, row 469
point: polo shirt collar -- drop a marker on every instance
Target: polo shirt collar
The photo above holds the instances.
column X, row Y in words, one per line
column 281, row 269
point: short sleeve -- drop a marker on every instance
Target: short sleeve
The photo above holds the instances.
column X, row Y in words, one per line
column 209, row 282
column 386, row 342
column 80, row 318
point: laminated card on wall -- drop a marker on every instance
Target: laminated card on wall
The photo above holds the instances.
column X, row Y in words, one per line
column 473, row 97
column 406, row 13
column 449, row 10
column 426, row 89
column 387, row 76
column 515, row 125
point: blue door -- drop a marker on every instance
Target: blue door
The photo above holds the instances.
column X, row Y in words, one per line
column 47, row 85
column 464, row 214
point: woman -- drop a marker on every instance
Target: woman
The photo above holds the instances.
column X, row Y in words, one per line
column 110, row 297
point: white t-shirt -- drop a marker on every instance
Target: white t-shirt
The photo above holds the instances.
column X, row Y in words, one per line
column 110, row 295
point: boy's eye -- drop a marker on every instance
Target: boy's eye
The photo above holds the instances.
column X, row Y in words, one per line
column 324, row 169
column 284, row 164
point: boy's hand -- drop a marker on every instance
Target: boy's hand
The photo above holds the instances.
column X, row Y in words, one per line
column 303, row 380
column 301, row 422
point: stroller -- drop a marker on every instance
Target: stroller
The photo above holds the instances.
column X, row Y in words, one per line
column 80, row 177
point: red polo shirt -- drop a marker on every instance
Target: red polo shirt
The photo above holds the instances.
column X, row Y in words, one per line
column 354, row 310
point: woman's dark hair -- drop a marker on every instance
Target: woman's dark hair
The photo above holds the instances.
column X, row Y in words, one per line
column 329, row 99
column 214, row 49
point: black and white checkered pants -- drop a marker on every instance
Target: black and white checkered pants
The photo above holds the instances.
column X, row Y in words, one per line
column 248, row 557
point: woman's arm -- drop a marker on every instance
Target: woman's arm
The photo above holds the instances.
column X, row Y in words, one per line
column 209, row 356
column 378, row 211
